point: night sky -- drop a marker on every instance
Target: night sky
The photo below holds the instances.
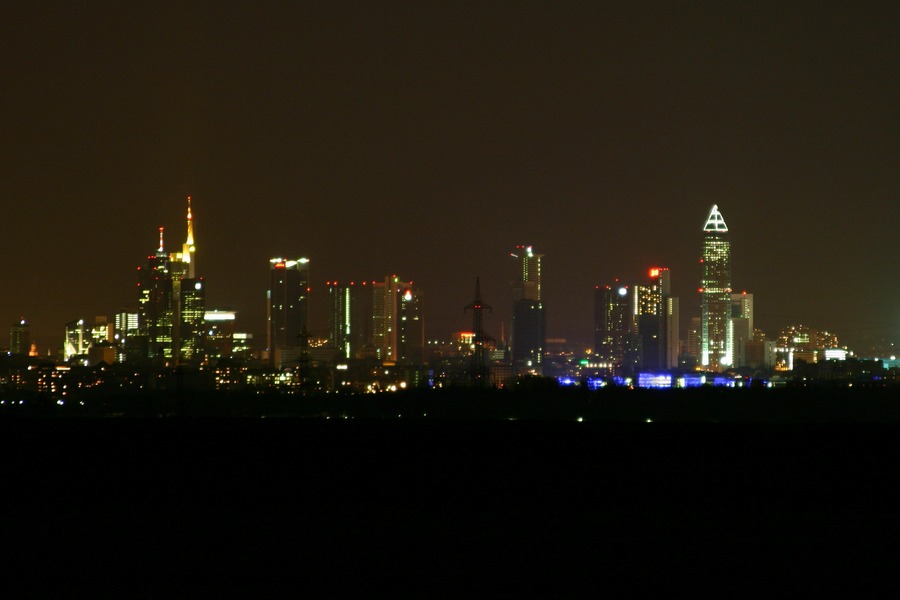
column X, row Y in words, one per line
column 427, row 142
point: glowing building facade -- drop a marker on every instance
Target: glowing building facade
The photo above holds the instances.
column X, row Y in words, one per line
column 350, row 328
column 716, row 339
column 397, row 322
column 655, row 320
column 171, row 301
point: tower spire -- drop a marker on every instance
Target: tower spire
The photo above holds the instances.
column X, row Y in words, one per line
column 161, row 249
column 188, row 249
column 190, row 225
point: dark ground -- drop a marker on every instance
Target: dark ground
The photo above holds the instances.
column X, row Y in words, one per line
column 459, row 508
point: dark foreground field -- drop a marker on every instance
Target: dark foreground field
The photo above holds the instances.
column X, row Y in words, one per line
column 465, row 508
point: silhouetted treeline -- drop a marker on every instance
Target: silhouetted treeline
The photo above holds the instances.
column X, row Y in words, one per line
column 534, row 400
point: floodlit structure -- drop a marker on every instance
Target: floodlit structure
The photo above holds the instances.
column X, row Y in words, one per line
column 171, row 301
column 716, row 340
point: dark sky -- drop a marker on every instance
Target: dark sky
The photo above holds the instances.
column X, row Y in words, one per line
column 427, row 142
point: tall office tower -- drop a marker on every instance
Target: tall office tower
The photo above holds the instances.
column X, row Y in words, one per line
column 132, row 345
column 77, row 341
column 188, row 298
column 528, row 313
column 741, row 325
column 479, row 371
column 339, row 326
column 81, row 338
column 191, row 310
column 673, row 332
column 611, row 324
column 398, row 325
column 170, row 301
column 219, row 325
column 155, row 303
column 381, row 321
column 650, row 319
column 655, row 320
column 20, row 338
column 410, row 326
column 716, row 347
column 287, row 310
column 350, row 318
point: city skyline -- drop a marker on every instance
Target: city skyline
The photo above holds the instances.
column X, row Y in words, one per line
column 170, row 307
column 428, row 142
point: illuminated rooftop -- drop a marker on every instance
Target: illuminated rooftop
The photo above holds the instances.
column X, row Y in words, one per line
column 715, row 222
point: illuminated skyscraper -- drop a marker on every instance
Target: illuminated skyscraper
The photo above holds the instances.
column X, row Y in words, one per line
column 410, row 324
column 191, row 310
column 528, row 316
column 155, row 303
column 716, row 340
column 611, row 324
column 171, row 301
column 398, row 324
column 132, row 345
column 655, row 320
column 219, row 326
column 350, row 326
column 287, row 309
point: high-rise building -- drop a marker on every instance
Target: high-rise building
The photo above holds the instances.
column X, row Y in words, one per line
column 611, row 324
column 398, row 324
column 673, row 332
column 287, row 310
column 81, row 338
column 528, row 313
column 77, row 341
column 191, row 309
column 339, row 301
column 350, row 327
column 219, row 326
column 171, row 301
column 716, row 345
column 155, row 303
column 131, row 343
column 188, row 298
column 648, row 319
column 741, row 326
column 410, row 345
column 20, row 338
column 655, row 320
